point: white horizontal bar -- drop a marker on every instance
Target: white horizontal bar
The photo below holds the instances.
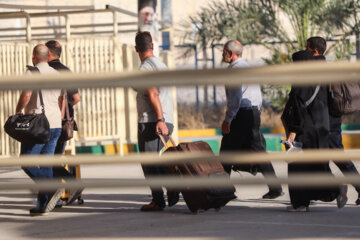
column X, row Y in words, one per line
column 309, row 156
column 42, row 7
column 309, row 73
column 307, row 180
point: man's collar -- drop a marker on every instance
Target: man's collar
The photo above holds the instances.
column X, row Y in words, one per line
column 240, row 59
column 42, row 63
column 55, row 60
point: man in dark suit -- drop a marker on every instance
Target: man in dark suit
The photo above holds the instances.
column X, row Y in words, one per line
column 317, row 46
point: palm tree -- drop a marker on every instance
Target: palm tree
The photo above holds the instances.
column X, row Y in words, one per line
column 287, row 22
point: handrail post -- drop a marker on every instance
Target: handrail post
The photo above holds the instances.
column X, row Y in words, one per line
column 120, row 118
column 28, row 37
column 68, row 40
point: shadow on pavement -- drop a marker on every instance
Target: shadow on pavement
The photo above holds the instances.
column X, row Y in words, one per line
column 9, row 170
column 118, row 216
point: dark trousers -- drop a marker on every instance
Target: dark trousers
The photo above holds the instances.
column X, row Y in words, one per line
column 58, row 171
column 335, row 142
column 149, row 141
column 245, row 136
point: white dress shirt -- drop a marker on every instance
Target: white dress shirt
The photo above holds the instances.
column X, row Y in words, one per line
column 244, row 96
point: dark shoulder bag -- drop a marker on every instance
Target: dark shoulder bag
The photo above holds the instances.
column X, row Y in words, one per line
column 29, row 128
column 68, row 123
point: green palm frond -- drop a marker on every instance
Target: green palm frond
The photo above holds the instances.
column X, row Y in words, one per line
column 258, row 21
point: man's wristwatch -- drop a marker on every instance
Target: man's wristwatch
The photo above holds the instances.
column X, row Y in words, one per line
column 161, row 120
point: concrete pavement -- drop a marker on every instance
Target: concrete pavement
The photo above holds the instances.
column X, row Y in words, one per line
column 114, row 214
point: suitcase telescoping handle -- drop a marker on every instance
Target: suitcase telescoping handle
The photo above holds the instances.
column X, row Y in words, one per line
column 163, row 140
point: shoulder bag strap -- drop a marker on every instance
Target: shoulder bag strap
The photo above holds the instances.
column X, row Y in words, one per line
column 32, row 69
column 331, row 90
column 65, row 107
column 41, row 102
column 308, row 102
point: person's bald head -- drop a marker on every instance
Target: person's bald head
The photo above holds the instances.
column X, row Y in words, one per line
column 232, row 50
column 40, row 54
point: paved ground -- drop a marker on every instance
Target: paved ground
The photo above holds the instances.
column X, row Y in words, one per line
column 114, row 214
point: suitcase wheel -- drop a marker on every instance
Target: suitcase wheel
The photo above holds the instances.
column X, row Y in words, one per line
column 80, row 201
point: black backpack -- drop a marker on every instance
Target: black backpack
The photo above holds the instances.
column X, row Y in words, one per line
column 344, row 98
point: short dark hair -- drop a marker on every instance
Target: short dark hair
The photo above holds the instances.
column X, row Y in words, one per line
column 143, row 41
column 54, row 47
column 317, row 43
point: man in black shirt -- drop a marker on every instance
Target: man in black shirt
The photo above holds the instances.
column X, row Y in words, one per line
column 73, row 97
column 317, row 46
column 54, row 62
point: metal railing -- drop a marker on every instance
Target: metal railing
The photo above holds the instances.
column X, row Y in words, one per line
column 104, row 112
column 308, row 73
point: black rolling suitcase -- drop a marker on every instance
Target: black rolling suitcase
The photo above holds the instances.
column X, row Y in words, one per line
column 200, row 198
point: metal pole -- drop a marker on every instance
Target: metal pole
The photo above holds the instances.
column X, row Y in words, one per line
column 67, row 26
column 196, row 57
column 28, row 29
column 197, row 87
column 68, row 39
column 167, row 22
column 357, row 45
column 115, row 25
column 28, row 38
column 41, row 7
column 205, row 59
column 213, row 66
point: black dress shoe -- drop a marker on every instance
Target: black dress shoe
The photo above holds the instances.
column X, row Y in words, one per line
column 151, row 207
column 342, row 198
column 357, row 202
column 273, row 194
column 173, row 198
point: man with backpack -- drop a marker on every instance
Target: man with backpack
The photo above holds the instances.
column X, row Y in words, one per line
column 317, row 46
